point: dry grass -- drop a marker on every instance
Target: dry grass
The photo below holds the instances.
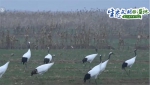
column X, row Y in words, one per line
column 81, row 29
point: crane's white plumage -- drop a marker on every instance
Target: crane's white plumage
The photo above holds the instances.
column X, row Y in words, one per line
column 42, row 69
column 104, row 64
column 3, row 69
column 94, row 72
column 48, row 57
column 27, row 55
column 89, row 58
column 129, row 62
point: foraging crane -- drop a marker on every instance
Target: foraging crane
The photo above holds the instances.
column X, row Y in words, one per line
column 48, row 57
column 42, row 69
column 89, row 58
column 94, row 72
column 26, row 56
column 3, row 69
column 129, row 63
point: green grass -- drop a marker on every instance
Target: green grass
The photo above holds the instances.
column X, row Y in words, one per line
column 68, row 68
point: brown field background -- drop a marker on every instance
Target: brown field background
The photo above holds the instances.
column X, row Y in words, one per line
column 81, row 29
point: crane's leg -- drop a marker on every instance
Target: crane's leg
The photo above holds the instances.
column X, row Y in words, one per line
column 89, row 80
column 126, row 71
column 26, row 65
column 98, row 75
column 24, row 68
column 95, row 82
column 129, row 71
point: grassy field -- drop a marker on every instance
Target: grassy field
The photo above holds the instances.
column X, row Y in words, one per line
column 68, row 68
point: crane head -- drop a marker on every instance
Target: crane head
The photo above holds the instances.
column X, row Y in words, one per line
column 110, row 53
column 53, row 55
column 34, row 72
column 96, row 49
column 100, row 57
column 134, row 50
column 84, row 60
column 86, row 77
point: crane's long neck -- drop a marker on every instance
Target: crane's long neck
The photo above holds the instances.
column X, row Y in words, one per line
column 100, row 59
column 53, row 57
column 48, row 50
column 135, row 53
column 96, row 50
column 28, row 46
column 109, row 56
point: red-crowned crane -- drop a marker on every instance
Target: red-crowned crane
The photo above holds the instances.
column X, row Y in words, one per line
column 48, row 57
column 94, row 72
column 3, row 69
column 26, row 56
column 104, row 64
column 129, row 63
column 90, row 58
column 42, row 69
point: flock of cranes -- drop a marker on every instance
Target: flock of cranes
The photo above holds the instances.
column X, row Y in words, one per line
column 98, row 69
column 92, row 73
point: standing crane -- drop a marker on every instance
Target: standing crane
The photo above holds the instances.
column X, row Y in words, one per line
column 129, row 63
